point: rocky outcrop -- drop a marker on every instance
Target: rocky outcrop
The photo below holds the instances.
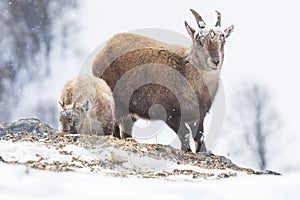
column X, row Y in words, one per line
column 30, row 126
column 106, row 154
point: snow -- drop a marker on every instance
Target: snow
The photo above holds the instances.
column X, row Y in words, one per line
column 207, row 29
column 27, row 152
column 18, row 182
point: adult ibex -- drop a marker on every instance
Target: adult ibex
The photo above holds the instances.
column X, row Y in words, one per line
column 149, row 72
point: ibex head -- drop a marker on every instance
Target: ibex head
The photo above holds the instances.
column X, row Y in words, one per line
column 72, row 115
column 208, row 43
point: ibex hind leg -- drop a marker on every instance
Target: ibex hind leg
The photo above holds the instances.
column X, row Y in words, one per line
column 117, row 131
column 182, row 132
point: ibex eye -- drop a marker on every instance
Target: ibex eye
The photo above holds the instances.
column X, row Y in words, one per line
column 198, row 41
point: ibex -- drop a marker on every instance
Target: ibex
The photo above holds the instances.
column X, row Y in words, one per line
column 141, row 59
column 87, row 107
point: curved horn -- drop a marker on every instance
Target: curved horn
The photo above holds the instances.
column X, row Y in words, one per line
column 199, row 19
column 228, row 31
column 218, row 24
column 61, row 104
column 189, row 29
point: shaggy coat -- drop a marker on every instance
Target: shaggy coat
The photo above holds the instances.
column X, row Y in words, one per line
column 87, row 106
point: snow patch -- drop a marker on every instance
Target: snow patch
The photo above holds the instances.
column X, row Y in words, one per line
column 207, row 30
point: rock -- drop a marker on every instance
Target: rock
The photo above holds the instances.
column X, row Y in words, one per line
column 226, row 161
column 269, row 172
column 119, row 156
column 235, row 167
column 30, row 127
column 209, row 153
column 2, row 160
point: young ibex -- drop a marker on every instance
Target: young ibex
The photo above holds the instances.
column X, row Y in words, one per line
column 87, row 107
column 139, row 60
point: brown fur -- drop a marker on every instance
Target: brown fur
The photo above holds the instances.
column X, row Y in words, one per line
column 140, row 60
column 87, row 106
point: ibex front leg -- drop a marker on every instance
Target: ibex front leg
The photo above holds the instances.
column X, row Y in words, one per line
column 197, row 133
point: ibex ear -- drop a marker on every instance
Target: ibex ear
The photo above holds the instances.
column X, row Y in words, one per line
column 189, row 29
column 86, row 106
column 228, row 31
column 61, row 104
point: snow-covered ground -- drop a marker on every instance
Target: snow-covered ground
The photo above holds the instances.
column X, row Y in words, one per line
column 72, row 171
column 19, row 182
column 108, row 157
